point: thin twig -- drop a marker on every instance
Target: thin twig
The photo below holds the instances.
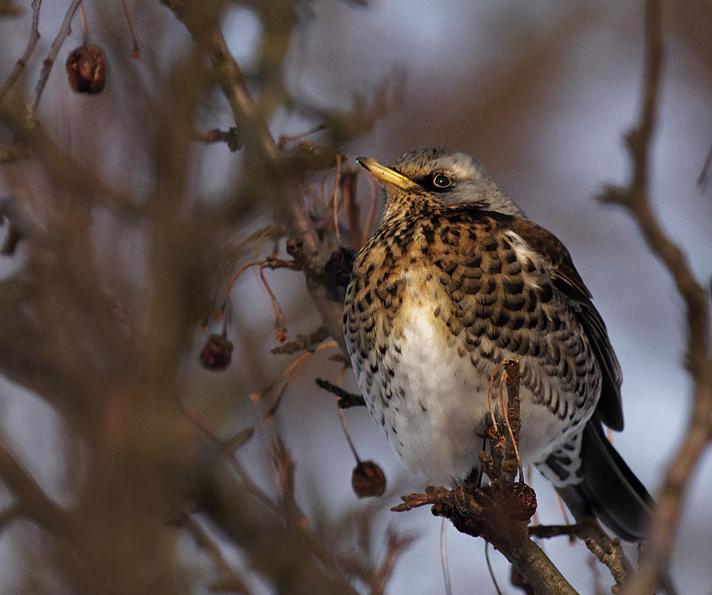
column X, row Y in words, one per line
column 32, row 502
column 395, row 545
column 259, row 138
column 228, row 576
column 215, row 135
column 84, row 22
column 335, row 202
column 347, row 435
column 285, row 139
column 136, row 50
column 283, row 472
column 636, row 198
column 302, row 343
column 346, row 399
column 29, row 50
column 703, row 178
column 511, row 410
column 64, row 30
column 287, row 376
column 280, row 320
column 608, row 551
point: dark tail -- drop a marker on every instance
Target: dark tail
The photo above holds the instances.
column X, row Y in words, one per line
column 609, row 490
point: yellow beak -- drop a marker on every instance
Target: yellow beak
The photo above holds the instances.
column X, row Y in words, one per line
column 386, row 175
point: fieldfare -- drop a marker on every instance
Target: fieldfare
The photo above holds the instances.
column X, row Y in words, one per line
column 455, row 280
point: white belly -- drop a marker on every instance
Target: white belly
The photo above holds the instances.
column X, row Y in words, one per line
column 436, row 418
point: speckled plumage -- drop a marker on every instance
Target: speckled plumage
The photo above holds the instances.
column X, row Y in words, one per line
column 455, row 280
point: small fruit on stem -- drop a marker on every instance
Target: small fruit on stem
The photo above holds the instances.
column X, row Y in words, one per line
column 86, row 69
column 217, row 353
column 368, row 480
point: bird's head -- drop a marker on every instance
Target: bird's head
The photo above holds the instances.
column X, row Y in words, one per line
column 441, row 175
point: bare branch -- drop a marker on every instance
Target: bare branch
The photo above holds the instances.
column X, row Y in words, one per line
column 636, row 198
column 608, row 551
column 27, row 54
column 258, row 138
column 62, row 34
column 302, row 343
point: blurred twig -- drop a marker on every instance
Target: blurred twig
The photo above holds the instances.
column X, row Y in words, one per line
column 48, row 62
column 27, row 54
column 215, row 135
column 703, row 178
column 229, row 580
column 395, row 546
column 135, row 49
column 258, row 138
column 16, row 226
column 635, row 197
column 32, row 502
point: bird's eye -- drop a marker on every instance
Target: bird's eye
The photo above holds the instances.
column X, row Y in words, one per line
column 441, row 181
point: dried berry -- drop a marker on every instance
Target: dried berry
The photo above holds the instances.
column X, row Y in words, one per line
column 217, row 353
column 87, row 69
column 368, row 480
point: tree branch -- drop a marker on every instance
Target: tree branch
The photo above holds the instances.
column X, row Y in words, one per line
column 635, row 197
column 49, row 60
column 27, row 54
column 257, row 137
column 608, row 551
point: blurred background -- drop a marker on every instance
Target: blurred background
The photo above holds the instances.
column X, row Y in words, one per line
column 541, row 92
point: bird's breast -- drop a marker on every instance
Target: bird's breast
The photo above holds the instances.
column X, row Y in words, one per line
column 426, row 322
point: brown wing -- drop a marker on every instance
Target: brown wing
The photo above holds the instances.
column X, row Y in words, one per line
column 569, row 282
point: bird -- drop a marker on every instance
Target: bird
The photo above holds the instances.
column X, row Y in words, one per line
column 456, row 280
